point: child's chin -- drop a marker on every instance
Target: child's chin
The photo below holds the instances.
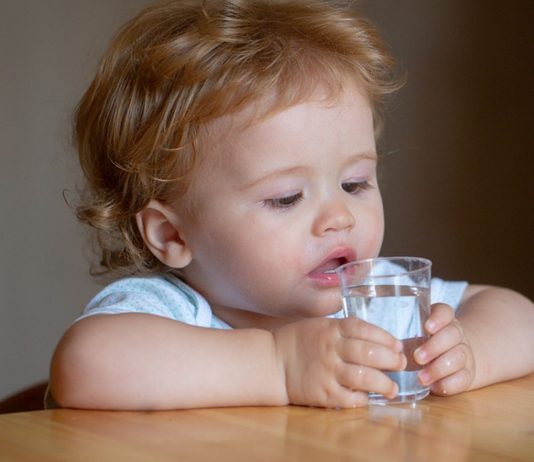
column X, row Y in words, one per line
column 326, row 309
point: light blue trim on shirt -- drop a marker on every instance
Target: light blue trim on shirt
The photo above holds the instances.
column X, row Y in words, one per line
column 161, row 295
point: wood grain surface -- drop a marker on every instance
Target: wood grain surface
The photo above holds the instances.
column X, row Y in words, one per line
column 492, row 424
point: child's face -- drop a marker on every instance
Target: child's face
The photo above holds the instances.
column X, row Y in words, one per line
column 281, row 203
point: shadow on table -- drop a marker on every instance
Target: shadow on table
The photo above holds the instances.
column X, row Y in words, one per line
column 28, row 399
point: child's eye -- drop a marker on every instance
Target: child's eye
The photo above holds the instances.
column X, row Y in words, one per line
column 354, row 187
column 283, row 202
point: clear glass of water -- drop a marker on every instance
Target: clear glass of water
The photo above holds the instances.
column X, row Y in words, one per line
column 394, row 294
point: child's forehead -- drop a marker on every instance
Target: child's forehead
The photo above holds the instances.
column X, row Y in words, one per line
column 264, row 108
column 247, row 135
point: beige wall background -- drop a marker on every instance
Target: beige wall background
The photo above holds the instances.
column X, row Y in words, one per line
column 457, row 177
column 48, row 52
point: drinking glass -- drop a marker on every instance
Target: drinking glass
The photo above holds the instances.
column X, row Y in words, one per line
column 394, row 294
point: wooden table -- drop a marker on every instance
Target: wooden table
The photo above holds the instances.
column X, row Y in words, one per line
column 492, row 424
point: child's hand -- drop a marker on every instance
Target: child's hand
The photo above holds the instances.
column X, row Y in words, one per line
column 447, row 355
column 335, row 362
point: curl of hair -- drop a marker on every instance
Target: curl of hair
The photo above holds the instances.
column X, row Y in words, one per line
column 181, row 64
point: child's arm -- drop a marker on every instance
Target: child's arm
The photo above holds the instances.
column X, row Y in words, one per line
column 139, row 361
column 490, row 341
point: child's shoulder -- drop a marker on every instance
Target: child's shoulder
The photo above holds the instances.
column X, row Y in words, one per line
column 162, row 287
column 162, row 294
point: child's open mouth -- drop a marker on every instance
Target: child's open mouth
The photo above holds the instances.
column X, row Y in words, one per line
column 325, row 273
column 330, row 266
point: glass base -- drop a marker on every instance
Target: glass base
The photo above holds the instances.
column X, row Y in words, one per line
column 410, row 389
column 407, row 398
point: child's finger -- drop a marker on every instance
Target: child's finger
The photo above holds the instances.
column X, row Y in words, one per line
column 452, row 384
column 441, row 315
column 366, row 353
column 439, row 343
column 346, row 398
column 446, row 365
column 354, row 328
column 368, row 379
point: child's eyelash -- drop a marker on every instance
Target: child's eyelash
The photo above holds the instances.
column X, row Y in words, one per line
column 283, row 202
column 354, row 187
column 286, row 202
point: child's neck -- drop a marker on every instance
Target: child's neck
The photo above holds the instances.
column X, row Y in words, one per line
column 240, row 319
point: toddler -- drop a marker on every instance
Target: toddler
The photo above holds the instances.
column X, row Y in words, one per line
column 229, row 149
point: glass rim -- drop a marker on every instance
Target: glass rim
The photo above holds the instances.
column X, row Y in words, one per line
column 426, row 265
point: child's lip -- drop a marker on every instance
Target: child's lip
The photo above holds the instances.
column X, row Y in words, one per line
column 325, row 271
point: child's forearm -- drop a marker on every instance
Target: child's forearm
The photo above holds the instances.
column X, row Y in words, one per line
column 136, row 361
column 499, row 325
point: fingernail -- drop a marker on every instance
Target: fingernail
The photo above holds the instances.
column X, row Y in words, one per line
column 399, row 346
column 420, row 355
column 430, row 326
column 395, row 391
column 424, row 377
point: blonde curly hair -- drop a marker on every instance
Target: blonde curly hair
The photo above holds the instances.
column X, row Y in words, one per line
column 181, row 64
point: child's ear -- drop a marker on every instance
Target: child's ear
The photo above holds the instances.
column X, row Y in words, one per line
column 159, row 228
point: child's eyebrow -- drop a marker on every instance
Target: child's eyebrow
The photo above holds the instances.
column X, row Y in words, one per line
column 368, row 155
column 352, row 159
column 274, row 174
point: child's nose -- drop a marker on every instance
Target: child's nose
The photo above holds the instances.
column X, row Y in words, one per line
column 333, row 216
